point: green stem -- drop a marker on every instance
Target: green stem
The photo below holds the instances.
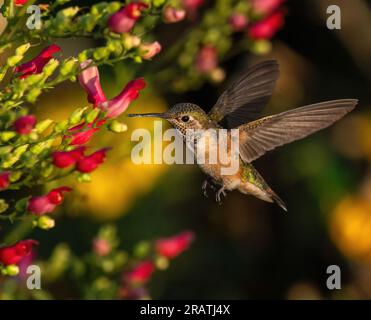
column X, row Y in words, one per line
column 22, row 229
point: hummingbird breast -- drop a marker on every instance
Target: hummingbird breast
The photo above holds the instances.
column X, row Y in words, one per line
column 215, row 157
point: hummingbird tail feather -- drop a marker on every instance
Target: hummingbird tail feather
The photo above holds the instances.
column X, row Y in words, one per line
column 278, row 200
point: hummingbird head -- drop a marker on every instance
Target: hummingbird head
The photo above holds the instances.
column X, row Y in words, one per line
column 182, row 116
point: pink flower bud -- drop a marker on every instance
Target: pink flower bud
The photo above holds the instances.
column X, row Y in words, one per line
column 90, row 81
column 238, row 22
column 268, row 27
column 207, row 59
column 173, row 15
column 265, row 6
column 37, row 64
column 124, row 20
column 4, row 180
column 47, row 203
column 89, row 163
column 118, row 105
column 14, row 254
column 150, row 50
column 173, row 246
column 141, row 273
column 25, row 124
column 101, row 247
column 65, row 159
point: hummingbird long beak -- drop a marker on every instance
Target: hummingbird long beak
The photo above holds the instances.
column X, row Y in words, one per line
column 152, row 115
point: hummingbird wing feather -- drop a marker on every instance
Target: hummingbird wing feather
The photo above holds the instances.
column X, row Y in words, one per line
column 260, row 136
column 244, row 100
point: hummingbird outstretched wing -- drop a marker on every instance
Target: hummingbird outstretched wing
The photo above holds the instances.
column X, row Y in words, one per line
column 244, row 100
column 260, row 136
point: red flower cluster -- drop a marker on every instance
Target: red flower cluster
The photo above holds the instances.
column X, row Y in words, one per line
column 15, row 253
column 124, row 20
column 25, row 124
column 133, row 282
column 37, row 64
column 40, row 205
column 85, row 164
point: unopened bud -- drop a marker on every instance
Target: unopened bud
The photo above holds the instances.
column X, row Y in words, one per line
column 45, row 223
column 261, row 47
column 162, row 263
column 21, row 50
column 12, row 270
column 118, row 127
column 217, row 75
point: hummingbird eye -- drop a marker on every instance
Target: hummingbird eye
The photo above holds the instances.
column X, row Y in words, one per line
column 185, row 118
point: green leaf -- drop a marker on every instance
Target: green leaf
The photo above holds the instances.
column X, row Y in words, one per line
column 43, row 125
column 3, row 206
column 21, row 205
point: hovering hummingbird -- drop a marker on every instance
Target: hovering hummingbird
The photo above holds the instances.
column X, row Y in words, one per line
column 239, row 107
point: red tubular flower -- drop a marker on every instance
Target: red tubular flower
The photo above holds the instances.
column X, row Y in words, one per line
column 37, row 64
column 119, row 104
column 150, row 50
column 265, row 6
column 81, row 137
column 20, row 2
column 4, row 180
column 173, row 246
column 173, row 15
column 268, row 27
column 65, row 159
column 207, row 59
column 141, row 273
column 15, row 253
column 124, row 20
column 90, row 81
column 89, row 163
column 238, row 22
column 48, row 202
column 25, row 124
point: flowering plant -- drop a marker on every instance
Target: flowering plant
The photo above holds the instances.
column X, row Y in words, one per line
column 37, row 154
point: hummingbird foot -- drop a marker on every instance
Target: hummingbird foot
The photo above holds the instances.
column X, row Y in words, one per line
column 204, row 187
column 219, row 193
column 205, row 184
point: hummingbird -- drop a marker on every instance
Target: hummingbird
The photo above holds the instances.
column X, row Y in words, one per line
column 238, row 108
